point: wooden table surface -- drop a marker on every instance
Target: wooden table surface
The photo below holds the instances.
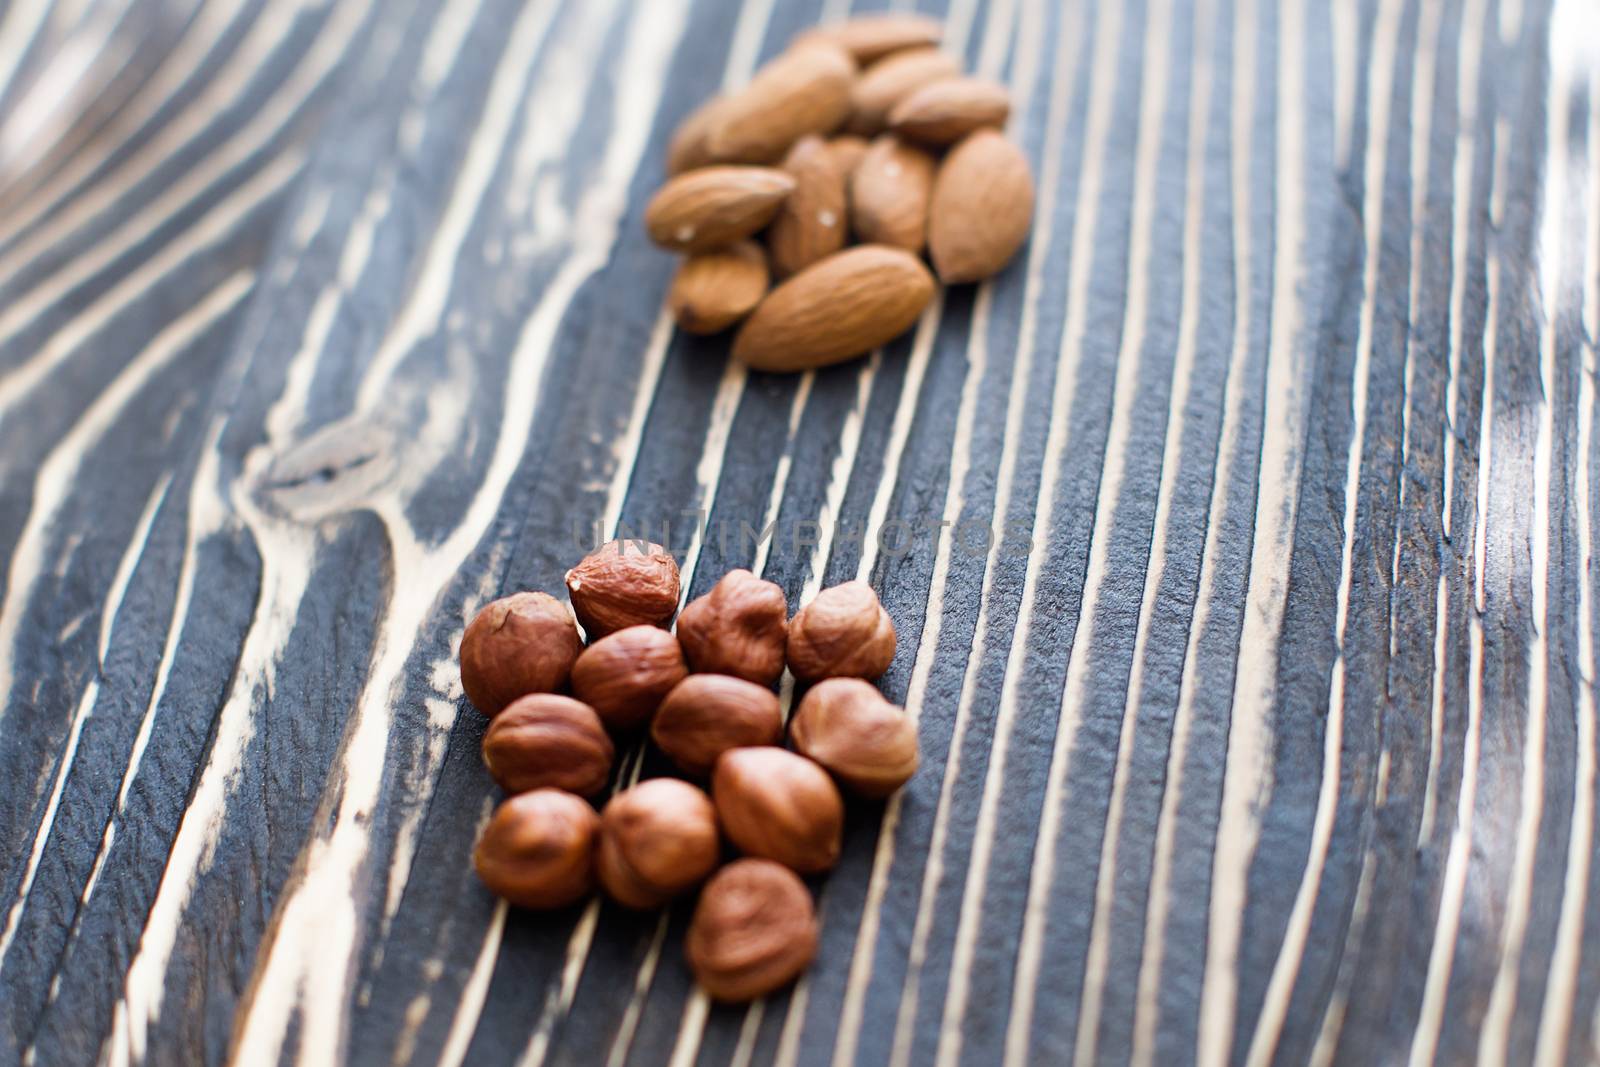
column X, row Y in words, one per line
column 1254, row 662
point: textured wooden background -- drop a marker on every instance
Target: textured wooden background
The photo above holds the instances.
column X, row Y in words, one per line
column 322, row 321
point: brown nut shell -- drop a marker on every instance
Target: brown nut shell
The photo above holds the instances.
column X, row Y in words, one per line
column 538, row 849
column 520, row 644
column 804, row 90
column 714, row 206
column 708, row 714
column 687, row 148
column 813, row 222
column 658, row 840
column 871, row 37
column 623, row 583
column 847, row 150
column 860, row 738
column 943, row 112
column 843, row 633
column 982, row 208
column 740, row 627
column 753, row 932
column 625, row 675
column 838, row 308
column 713, row 290
column 889, row 194
column 889, row 81
column 779, row 806
column 548, row 741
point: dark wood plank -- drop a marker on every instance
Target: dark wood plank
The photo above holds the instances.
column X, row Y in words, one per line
column 1253, row 661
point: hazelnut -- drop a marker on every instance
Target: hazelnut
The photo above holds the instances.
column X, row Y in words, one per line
column 658, row 840
column 844, row 632
column 753, row 931
column 520, row 644
column 738, row 628
column 625, row 675
column 538, row 849
column 860, row 738
column 623, row 583
column 544, row 740
column 707, row 714
column 779, row 806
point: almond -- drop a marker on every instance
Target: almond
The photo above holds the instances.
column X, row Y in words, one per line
column 687, row 149
column 871, row 37
column 812, row 221
column 847, row 149
column 714, row 290
column 889, row 194
column 982, row 207
column 839, row 307
column 943, row 112
column 715, row 206
column 884, row 84
column 805, row 90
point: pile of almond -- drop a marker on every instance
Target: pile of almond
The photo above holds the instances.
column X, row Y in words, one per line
column 861, row 132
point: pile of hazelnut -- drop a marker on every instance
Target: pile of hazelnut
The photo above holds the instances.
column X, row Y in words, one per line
column 704, row 695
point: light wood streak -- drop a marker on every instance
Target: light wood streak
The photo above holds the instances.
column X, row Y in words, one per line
column 1107, row 37
column 1495, row 1036
column 1246, row 774
column 1077, row 686
column 1098, row 955
column 202, row 36
column 318, row 921
column 269, row 123
column 1285, row 969
column 1555, row 1018
column 215, row 228
column 1441, row 956
column 1158, row 904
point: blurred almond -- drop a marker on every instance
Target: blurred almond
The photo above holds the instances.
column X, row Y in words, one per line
column 714, row 290
column 982, row 208
column 886, row 83
column 943, row 112
column 847, row 149
column 871, row 37
column 804, row 90
column 715, row 206
column 811, row 223
column 889, row 194
column 687, row 149
column 839, row 307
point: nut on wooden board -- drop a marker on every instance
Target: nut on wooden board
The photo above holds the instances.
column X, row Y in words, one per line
column 658, row 840
column 522, row 643
column 538, row 849
column 546, row 740
column 740, row 627
column 708, row 714
column 623, row 583
column 753, row 932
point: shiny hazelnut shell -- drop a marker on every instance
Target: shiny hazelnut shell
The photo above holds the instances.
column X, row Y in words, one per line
column 740, row 627
column 625, row 675
column 658, row 840
column 538, row 849
column 520, row 644
column 844, row 632
column 779, row 806
column 548, row 741
column 865, row 742
column 707, row 714
column 753, row 931
column 623, row 583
